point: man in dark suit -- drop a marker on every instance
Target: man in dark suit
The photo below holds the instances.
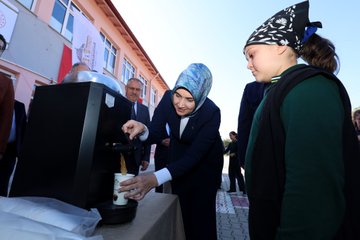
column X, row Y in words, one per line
column 140, row 112
column 13, row 147
column 252, row 96
column 6, row 103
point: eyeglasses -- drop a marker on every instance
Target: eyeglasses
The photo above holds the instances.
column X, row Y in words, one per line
column 134, row 89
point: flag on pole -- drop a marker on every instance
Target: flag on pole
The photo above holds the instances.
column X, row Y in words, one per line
column 65, row 64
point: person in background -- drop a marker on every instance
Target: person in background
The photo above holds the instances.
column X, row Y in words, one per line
column 141, row 155
column 161, row 155
column 302, row 159
column 72, row 74
column 196, row 151
column 13, row 148
column 234, row 165
column 6, row 104
column 356, row 120
column 251, row 98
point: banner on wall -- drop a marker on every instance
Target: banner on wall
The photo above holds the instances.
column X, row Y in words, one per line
column 87, row 45
column 8, row 16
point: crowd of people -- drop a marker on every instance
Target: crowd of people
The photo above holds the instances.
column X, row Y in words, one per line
column 296, row 158
column 300, row 162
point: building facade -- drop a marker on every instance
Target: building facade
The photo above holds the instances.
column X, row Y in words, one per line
column 44, row 30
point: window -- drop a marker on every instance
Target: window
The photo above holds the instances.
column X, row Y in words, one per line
column 153, row 96
column 128, row 71
column 109, row 54
column 27, row 3
column 144, row 90
column 62, row 18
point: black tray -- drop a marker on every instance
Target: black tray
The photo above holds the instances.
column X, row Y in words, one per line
column 116, row 214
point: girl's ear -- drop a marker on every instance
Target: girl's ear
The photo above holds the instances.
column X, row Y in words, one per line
column 282, row 49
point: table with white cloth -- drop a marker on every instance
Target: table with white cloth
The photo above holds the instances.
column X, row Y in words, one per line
column 158, row 216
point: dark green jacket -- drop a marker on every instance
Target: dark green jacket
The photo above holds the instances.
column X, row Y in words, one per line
column 297, row 160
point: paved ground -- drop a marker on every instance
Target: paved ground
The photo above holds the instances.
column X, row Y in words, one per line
column 231, row 213
column 231, row 209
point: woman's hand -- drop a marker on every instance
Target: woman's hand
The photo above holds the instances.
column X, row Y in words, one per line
column 133, row 128
column 139, row 186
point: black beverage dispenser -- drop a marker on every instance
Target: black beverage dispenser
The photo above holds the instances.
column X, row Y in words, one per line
column 67, row 151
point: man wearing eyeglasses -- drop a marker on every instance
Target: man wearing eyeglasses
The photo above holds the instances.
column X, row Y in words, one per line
column 6, row 104
column 140, row 112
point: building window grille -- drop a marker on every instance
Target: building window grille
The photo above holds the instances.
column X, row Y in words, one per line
column 144, row 88
column 109, row 54
column 153, row 96
column 128, row 71
column 62, row 18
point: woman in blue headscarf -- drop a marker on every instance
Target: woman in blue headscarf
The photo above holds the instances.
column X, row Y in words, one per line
column 196, row 150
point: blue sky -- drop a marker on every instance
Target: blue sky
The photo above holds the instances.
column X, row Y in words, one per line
column 176, row 33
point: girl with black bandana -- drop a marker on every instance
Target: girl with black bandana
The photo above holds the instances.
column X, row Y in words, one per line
column 302, row 159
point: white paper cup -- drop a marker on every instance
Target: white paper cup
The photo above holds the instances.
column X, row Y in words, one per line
column 118, row 197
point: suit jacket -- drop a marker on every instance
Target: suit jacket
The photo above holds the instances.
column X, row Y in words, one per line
column 20, row 120
column 161, row 154
column 232, row 149
column 198, row 154
column 13, row 148
column 142, row 152
column 6, row 109
column 252, row 96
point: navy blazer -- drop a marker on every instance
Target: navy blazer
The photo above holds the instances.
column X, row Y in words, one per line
column 142, row 152
column 198, row 154
column 161, row 154
column 20, row 120
column 252, row 96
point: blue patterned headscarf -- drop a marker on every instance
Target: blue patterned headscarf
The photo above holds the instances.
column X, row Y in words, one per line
column 196, row 79
column 286, row 27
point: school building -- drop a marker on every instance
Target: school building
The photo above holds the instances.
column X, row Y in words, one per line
column 40, row 36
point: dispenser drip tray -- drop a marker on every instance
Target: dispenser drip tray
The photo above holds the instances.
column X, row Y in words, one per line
column 116, row 214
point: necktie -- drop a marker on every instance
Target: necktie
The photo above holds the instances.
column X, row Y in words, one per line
column 133, row 114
